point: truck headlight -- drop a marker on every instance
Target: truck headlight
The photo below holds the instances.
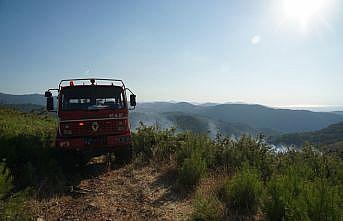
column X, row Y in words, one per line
column 64, row 144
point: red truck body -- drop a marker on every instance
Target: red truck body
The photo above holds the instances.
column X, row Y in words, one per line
column 92, row 116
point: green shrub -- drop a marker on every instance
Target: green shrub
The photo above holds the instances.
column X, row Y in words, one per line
column 324, row 202
column 199, row 144
column 242, row 193
column 255, row 152
column 26, row 147
column 14, row 207
column 152, row 144
column 207, row 208
column 285, row 198
column 11, row 205
column 5, row 181
column 191, row 171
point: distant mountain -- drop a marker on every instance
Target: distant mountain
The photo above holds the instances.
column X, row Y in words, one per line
column 188, row 122
column 229, row 117
column 330, row 135
column 160, row 107
column 149, row 119
column 37, row 99
column 204, row 125
column 337, row 112
column 256, row 116
column 208, row 104
column 282, row 120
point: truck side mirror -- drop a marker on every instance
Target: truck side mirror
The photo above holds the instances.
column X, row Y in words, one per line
column 133, row 100
column 49, row 101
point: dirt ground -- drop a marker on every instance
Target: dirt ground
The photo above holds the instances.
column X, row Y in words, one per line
column 124, row 193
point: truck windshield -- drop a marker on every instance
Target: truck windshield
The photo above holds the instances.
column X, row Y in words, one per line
column 92, row 98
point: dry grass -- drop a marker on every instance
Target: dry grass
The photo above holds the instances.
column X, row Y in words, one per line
column 122, row 194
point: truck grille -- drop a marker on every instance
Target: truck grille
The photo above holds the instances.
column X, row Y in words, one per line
column 86, row 128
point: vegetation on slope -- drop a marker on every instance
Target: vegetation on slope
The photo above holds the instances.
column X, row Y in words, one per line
column 338, row 112
column 188, row 122
column 194, row 123
column 36, row 99
column 283, row 120
column 243, row 179
column 259, row 183
column 24, row 107
column 28, row 161
column 329, row 135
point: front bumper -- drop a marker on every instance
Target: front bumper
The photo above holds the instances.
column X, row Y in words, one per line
column 80, row 143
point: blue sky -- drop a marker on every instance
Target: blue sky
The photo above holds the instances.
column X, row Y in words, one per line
column 200, row 51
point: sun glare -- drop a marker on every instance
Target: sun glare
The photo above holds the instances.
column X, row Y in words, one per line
column 303, row 10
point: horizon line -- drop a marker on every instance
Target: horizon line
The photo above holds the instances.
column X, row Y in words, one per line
column 215, row 102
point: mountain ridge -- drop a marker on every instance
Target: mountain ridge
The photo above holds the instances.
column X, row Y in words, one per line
column 330, row 135
column 255, row 116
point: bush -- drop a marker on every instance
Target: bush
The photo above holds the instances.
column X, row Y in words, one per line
column 242, row 194
column 199, row 144
column 191, row 171
column 207, row 208
column 14, row 207
column 255, row 152
column 26, row 147
column 152, row 144
column 5, row 181
column 11, row 205
column 285, row 199
column 324, row 202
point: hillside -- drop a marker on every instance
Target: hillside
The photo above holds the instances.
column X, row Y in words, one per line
column 195, row 123
column 283, row 120
column 172, row 176
column 338, row 112
column 328, row 136
column 188, row 122
column 36, row 99
column 256, row 117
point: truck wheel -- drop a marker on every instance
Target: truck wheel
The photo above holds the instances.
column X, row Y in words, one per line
column 124, row 155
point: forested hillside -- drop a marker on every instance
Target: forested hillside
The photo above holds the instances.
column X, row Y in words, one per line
column 282, row 120
column 329, row 135
column 338, row 112
column 36, row 99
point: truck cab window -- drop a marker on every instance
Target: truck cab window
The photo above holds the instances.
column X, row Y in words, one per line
column 92, row 98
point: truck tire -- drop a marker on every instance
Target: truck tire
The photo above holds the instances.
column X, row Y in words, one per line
column 124, row 155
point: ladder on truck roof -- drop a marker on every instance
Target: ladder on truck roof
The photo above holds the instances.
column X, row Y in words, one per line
column 91, row 79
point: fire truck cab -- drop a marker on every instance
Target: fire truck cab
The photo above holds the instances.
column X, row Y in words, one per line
column 93, row 116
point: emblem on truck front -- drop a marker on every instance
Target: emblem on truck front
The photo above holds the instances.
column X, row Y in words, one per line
column 95, row 126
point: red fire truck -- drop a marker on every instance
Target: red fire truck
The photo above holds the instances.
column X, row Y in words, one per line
column 93, row 116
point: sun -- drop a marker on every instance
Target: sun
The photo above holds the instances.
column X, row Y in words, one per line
column 303, row 11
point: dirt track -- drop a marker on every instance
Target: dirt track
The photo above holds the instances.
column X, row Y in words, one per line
column 120, row 194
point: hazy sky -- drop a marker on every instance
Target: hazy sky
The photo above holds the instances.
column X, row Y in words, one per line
column 259, row 51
